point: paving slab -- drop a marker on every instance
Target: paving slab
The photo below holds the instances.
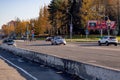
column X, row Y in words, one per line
column 9, row 73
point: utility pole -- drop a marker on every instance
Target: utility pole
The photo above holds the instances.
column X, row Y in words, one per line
column 33, row 31
column 71, row 24
column 118, row 18
column 99, row 18
column 27, row 32
column 108, row 26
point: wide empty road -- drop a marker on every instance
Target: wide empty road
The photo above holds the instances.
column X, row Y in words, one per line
column 107, row 56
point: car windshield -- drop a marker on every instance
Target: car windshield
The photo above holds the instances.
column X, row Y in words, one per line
column 58, row 37
column 112, row 37
column 105, row 37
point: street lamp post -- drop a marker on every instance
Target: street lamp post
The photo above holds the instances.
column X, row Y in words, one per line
column 118, row 18
column 71, row 24
column 32, row 31
column 108, row 26
column 27, row 31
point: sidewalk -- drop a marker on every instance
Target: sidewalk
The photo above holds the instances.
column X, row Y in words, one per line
column 8, row 73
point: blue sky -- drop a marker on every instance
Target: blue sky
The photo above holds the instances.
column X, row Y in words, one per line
column 23, row 9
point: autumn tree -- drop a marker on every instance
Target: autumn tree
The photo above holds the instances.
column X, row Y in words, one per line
column 87, row 12
column 113, row 10
column 5, row 30
column 34, row 26
column 58, row 16
column 53, row 17
column 20, row 29
column 47, row 25
column 42, row 24
column 8, row 29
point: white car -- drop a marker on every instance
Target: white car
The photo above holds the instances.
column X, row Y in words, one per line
column 108, row 40
column 48, row 38
column 58, row 40
column 9, row 42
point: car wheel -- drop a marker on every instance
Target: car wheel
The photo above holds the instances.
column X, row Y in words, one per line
column 56, row 43
column 51, row 43
column 64, row 44
column 99, row 43
column 115, row 44
column 107, row 44
column 14, row 45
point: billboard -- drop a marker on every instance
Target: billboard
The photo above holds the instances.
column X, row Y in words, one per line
column 94, row 24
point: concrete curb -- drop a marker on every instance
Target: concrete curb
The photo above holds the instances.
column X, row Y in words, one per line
column 83, row 70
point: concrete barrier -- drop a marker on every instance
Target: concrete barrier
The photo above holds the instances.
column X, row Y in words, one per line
column 83, row 70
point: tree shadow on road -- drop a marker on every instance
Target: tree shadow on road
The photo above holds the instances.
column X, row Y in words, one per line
column 40, row 45
column 89, row 45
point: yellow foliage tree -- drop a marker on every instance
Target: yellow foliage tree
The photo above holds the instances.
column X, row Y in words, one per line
column 43, row 25
column 20, row 29
column 87, row 12
column 8, row 29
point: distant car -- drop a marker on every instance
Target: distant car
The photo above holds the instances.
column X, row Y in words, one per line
column 48, row 38
column 58, row 40
column 108, row 40
column 9, row 42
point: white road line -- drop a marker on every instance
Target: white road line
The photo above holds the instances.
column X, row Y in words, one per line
column 34, row 78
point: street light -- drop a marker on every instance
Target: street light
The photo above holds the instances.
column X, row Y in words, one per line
column 33, row 31
column 71, row 24
column 108, row 26
column 118, row 18
column 27, row 32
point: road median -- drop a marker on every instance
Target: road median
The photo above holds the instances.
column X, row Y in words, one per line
column 83, row 70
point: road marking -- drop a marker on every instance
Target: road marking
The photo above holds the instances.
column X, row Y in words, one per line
column 34, row 78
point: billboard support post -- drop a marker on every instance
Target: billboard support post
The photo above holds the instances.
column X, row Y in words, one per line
column 101, row 32
column 87, row 33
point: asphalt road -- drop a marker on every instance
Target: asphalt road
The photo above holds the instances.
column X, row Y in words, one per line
column 13, row 67
column 91, row 53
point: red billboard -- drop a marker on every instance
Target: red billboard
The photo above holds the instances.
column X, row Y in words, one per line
column 94, row 24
